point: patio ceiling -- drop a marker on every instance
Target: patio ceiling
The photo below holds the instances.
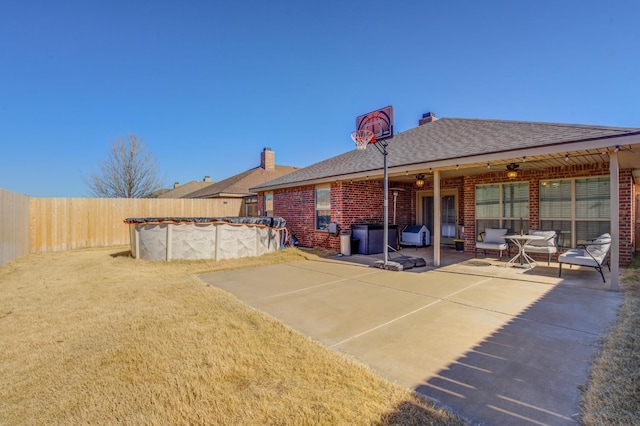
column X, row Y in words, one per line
column 629, row 157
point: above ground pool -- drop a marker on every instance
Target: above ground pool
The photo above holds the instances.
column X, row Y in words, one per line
column 167, row 238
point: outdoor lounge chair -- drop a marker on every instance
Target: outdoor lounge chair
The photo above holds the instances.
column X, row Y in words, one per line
column 593, row 254
column 548, row 245
column 493, row 239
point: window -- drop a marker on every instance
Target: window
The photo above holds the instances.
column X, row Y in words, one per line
column 556, row 209
column 502, row 206
column 251, row 206
column 579, row 209
column 323, row 207
column 515, row 206
column 268, row 203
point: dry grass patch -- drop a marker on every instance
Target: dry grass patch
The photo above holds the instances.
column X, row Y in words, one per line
column 613, row 392
column 88, row 336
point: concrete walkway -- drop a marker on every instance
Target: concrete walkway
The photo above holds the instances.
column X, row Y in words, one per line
column 499, row 346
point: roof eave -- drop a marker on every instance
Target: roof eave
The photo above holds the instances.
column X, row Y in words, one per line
column 554, row 148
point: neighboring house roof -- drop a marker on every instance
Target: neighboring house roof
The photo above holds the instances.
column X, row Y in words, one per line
column 450, row 138
column 239, row 185
column 159, row 192
column 185, row 189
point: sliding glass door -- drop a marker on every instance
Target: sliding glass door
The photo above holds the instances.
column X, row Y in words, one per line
column 448, row 216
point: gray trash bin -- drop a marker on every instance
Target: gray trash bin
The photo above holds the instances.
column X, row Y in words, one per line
column 345, row 244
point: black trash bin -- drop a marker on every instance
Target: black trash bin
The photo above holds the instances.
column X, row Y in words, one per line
column 355, row 245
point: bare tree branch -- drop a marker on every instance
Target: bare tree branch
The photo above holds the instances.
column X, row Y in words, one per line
column 129, row 171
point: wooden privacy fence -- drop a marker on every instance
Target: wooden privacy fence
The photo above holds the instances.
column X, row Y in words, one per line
column 14, row 225
column 68, row 223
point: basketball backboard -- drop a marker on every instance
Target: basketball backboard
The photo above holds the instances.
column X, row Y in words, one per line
column 380, row 122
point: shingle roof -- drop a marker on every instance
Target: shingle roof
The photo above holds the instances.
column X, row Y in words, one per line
column 184, row 189
column 239, row 184
column 451, row 138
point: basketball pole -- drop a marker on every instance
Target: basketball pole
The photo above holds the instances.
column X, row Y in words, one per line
column 362, row 138
column 385, row 237
column 386, row 205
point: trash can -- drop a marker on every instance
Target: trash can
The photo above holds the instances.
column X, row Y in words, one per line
column 459, row 245
column 355, row 246
column 345, row 244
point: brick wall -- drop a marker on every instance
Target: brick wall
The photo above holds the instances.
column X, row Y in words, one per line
column 627, row 217
column 534, row 178
column 362, row 202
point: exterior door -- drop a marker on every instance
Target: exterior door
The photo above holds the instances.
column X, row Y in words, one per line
column 448, row 216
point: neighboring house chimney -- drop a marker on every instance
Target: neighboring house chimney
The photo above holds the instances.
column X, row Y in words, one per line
column 268, row 159
column 427, row 117
column 207, row 179
column 176, row 185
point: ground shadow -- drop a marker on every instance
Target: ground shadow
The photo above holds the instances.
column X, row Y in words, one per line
column 530, row 371
column 126, row 253
column 412, row 413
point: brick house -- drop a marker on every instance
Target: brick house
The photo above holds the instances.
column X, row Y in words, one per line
column 577, row 179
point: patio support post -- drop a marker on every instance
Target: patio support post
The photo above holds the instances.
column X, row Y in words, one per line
column 437, row 217
column 614, row 177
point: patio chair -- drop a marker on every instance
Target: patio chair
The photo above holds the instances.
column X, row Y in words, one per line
column 493, row 239
column 548, row 245
column 594, row 254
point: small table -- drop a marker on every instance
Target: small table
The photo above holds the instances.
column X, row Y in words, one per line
column 520, row 241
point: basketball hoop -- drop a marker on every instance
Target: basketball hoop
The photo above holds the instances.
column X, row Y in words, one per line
column 362, row 137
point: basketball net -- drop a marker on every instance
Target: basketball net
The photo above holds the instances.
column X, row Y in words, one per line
column 363, row 137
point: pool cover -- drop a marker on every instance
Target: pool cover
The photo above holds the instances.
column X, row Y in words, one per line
column 269, row 221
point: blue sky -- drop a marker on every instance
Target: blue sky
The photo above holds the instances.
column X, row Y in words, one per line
column 209, row 84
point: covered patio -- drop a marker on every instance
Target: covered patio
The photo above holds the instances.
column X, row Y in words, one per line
column 459, row 177
column 534, row 165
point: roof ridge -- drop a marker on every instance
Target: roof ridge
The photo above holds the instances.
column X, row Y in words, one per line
column 544, row 123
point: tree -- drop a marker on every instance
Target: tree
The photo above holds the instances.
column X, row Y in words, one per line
column 129, row 171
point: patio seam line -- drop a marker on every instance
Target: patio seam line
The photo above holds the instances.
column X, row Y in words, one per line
column 520, row 317
column 438, row 300
column 301, row 290
column 385, row 324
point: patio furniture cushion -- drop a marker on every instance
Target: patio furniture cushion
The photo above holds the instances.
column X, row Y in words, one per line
column 548, row 241
column 493, row 240
column 494, row 236
column 593, row 254
column 545, row 246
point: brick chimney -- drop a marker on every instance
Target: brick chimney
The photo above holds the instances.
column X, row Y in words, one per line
column 427, row 117
column 176, row 185
column 268, row 159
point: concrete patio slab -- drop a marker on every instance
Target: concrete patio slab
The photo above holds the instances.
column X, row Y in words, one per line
column 497, row 345
column 421, row 344
column 439, row 284
column 509, row 296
